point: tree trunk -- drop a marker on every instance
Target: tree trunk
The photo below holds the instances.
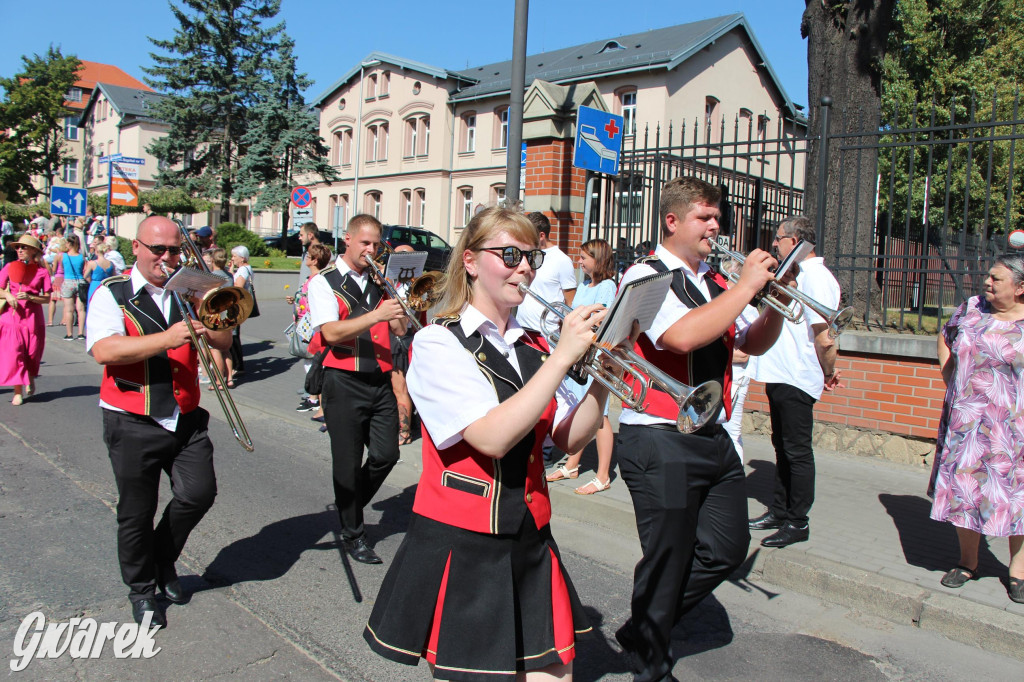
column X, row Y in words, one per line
column 845, row 47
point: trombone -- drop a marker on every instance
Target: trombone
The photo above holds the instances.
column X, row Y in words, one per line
column 836, row 319
column 697, row 405
column 220, row 308
column 421, row 289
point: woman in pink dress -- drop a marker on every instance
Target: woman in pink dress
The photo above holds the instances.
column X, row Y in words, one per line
column 978, row 478
column 26, row 286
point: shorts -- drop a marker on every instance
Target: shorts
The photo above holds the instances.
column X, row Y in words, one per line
column 69, row 289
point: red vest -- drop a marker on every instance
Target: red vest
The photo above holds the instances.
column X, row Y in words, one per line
column 460, row 486
column 712, row 362
column 155, row 385
column 371, row 349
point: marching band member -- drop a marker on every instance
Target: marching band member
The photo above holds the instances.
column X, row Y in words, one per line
column 355, row 318
column 477, row 587
column 688, row 489
column 152, row 421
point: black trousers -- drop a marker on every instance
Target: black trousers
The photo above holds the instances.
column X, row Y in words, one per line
column 139, row 450
column 360, row 412
column 792, row 412
column 690, row 500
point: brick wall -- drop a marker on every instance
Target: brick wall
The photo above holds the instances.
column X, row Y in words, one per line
column 549, row 172
column 901, row 395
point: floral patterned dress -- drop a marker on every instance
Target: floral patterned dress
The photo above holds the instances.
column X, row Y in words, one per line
column 978, row 476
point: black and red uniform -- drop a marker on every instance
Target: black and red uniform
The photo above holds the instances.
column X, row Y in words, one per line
column 477, row 587
column 135, row 396
column 688, row 494
column 359, row 404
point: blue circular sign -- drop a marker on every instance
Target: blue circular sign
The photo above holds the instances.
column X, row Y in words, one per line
column 301, row 197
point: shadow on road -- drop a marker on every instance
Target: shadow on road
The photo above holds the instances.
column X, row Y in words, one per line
column 595, row 657
column 70, row 392
column 929, row 544
column 271, row 553
column 259, row 365
column 761, row 481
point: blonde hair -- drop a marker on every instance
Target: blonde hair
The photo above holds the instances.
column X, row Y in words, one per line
column 455, row 289
column 102, row 248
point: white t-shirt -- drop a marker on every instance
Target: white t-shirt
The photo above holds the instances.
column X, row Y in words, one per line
column 793, row 359
column 554, row 276
column 671, row 311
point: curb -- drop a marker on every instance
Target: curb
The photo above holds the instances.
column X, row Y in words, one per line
column 901, row 602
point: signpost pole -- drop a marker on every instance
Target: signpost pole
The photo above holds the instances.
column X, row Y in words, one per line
column 110, row 191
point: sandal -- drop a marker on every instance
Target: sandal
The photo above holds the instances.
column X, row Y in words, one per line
column 1016, row 590
column 561, row 473
column 231, row 383
column 958, row 577
column 595, row 486
column 404, row 437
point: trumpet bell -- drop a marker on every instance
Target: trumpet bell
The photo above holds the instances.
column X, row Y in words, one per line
column 698, row 408
column 225, row 308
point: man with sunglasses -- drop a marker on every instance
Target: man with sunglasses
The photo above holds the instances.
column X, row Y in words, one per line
column 795, row 372
column 688, row 489
column 152, row 421
column 354, row 319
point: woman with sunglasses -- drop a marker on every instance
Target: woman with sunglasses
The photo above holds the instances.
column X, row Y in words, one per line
column 477, row 587
column 25, row 286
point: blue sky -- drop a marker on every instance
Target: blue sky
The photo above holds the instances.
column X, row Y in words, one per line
column 333, row 35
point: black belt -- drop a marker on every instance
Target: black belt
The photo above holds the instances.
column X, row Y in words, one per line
column 706, row 430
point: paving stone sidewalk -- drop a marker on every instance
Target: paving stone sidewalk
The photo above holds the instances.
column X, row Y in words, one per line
column 872, row 546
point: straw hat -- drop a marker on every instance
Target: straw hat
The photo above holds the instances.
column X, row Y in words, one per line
column 29, row 240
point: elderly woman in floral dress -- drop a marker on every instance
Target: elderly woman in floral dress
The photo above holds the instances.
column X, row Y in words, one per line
column 978, row 478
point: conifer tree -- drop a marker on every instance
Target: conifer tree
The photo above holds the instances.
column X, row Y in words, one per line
column 212, row 71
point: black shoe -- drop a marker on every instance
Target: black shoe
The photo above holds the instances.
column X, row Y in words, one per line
column 306, row 406
column 624, row 636
column 766, row 521
column 167, row 580
column 140, row 607
column 787, row 535
column 319, row 419
column 360, row 551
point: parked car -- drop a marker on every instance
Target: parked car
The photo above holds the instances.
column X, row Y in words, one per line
column 293, row 243
column 421, row 240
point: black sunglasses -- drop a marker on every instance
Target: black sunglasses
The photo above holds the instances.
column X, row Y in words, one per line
column 512, row 256
column 159, row 249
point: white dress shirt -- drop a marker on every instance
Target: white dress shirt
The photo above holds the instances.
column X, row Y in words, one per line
column 793, row 359
column 671, row 311
column 447, row 385
column 323, row 305
column 105, row 319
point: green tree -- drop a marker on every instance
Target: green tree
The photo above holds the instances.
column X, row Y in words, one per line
column 32, row 115
column 212, row 72
column 283, row 140
column 951, row 62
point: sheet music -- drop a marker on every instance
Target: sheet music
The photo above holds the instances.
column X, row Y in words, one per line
column 193, row 282
column 405, row 266
column 797, row 255
column 637, row 301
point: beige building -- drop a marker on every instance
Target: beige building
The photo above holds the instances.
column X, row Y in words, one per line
column 420, row 145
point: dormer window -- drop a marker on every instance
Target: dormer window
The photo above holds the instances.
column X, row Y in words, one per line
column 611, row 46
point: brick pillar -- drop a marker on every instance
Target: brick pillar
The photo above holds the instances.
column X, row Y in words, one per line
column 556, row 188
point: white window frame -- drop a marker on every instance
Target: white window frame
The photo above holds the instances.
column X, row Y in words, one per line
column 70, row 172
column 74, row 94
column 70, row 127
column 467, row 205
column 628, row 100
column 503, row 118
column 470, row 133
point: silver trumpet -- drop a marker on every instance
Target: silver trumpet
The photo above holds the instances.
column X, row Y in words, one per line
column 697, row 405
column 798, row 300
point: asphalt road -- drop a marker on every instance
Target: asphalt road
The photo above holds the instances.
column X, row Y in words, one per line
column 276, row 598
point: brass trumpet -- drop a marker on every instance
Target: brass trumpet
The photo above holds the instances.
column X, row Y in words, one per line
column 697, row 404
column 220, row 308
column 793, row 311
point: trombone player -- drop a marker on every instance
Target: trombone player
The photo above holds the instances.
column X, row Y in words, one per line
column 355, row 319
column 688, row 489
column 152, row 421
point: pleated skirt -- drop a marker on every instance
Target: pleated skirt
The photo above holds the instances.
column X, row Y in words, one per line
column 476, row 606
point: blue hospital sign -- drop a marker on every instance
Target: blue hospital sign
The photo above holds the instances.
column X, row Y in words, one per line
column 598, row 141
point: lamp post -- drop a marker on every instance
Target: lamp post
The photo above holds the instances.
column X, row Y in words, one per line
column 359, row 129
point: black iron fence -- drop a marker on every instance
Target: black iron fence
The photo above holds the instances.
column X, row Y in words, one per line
column 944, row 195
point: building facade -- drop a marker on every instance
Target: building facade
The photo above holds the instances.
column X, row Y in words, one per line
column 420, row 145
